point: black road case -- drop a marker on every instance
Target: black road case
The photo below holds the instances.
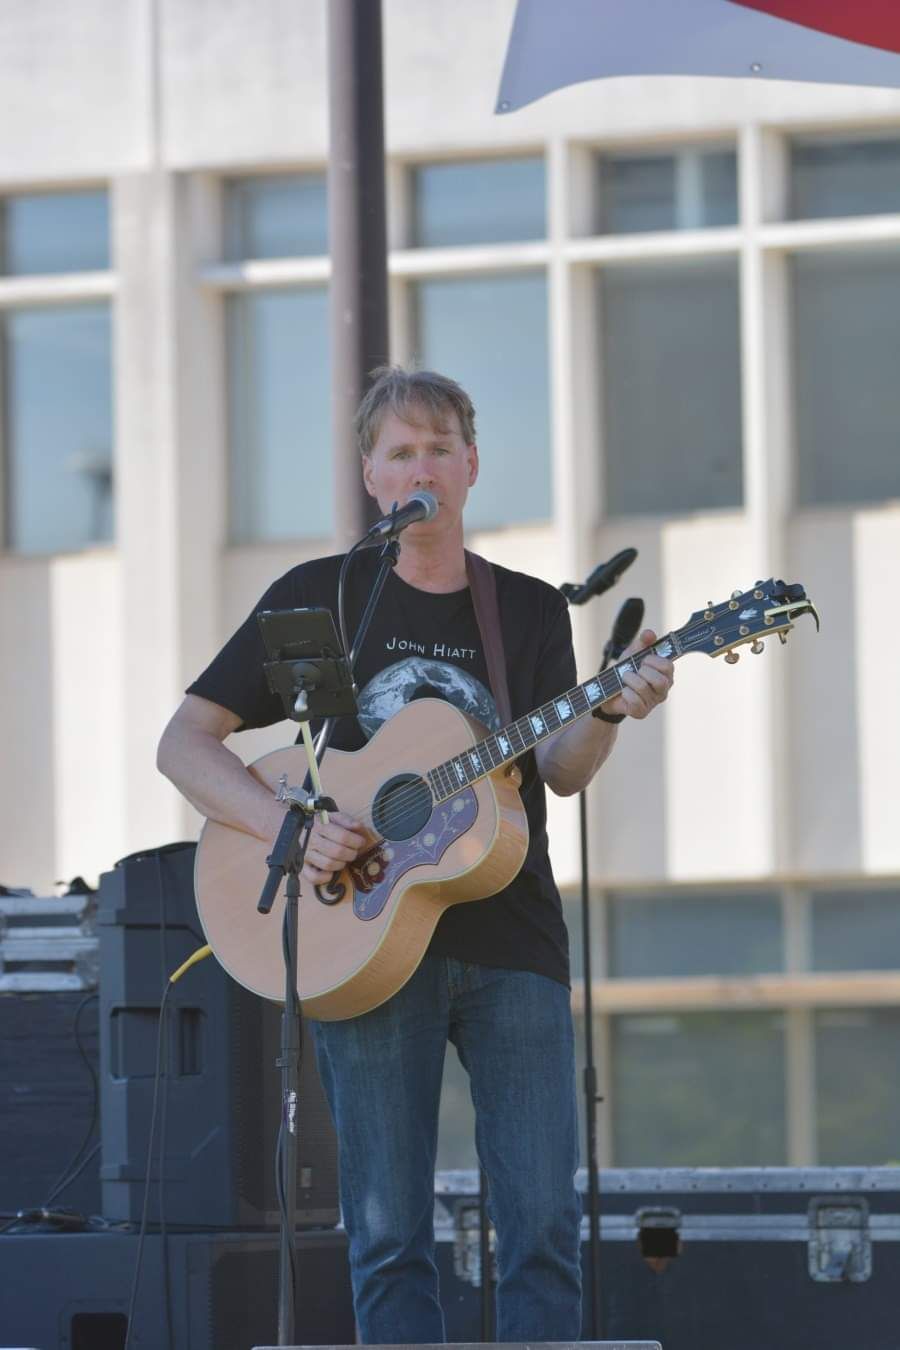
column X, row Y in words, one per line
column 785, row 1258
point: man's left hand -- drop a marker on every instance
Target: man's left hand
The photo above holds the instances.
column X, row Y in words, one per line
column 647, row 688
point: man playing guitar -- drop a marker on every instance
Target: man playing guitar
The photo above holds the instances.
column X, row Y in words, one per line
column 494, row 978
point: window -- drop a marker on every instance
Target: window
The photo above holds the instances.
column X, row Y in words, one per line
column 44, row 233
column 279, row 415
column 59, row 447
column 276, row 216
column 490, row 334
column 671, row 371
column 846, row 310
column 279, row 432
column 856, row 930
column 857, row 1086
column 701, row 934
column 685, row 189
column 483, row 201
column 704, row 1082
column 572, row 913
column 671, row 1074
column 55, row 372
column 844, row 176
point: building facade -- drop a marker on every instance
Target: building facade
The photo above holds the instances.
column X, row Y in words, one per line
column 676, row 303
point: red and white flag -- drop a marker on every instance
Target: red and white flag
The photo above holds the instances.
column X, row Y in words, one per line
column 559, row 42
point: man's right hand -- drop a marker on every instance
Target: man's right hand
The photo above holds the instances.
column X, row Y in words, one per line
column 332, row 847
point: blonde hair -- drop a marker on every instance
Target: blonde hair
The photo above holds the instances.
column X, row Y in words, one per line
column 404, row 392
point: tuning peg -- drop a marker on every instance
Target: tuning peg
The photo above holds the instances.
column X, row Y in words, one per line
column 756, row 647
column 732, row 658
column 782, row 638
column 736, row 595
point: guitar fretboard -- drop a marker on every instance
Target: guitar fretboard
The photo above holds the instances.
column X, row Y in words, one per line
column 504, row 746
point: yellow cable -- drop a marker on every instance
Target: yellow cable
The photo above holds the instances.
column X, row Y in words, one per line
column 199, row 955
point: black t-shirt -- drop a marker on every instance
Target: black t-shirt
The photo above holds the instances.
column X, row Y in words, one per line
column 422, row 644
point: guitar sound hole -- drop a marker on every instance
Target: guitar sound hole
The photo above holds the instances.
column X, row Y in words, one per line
column 402, row 806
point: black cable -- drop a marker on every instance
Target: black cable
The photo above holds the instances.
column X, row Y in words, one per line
column 282, row 1205
column 163, row 1010
column 74, row 1168
column 13, row 1223
column 64, row 1179
column 161, row 1184
column 92, row 1153
column 62, row 1219
column 342, row 620
column 288, row 958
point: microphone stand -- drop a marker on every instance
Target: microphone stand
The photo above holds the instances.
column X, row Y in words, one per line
column 591, row 1095
column 286, row 860
column 611, row 652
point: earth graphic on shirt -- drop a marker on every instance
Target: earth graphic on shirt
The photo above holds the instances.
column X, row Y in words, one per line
column 416, row 677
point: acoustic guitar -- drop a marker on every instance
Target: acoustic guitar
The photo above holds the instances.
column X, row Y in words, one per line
column 439, row 798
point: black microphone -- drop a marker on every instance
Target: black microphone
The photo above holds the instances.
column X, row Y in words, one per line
column 600, row 580
column 625, row 629
column 421, row 506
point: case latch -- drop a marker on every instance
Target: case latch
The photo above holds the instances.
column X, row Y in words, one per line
column 467, row 1244
column 658, row 1235
column 840, row 1248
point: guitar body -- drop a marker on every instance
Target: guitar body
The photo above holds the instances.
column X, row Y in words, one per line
column 363, row 936
column 363, row 939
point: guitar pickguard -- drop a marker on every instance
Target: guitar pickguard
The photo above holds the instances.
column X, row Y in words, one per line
column 376, row 873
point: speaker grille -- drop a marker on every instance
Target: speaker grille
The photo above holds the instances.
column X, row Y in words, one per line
column 224, row 1089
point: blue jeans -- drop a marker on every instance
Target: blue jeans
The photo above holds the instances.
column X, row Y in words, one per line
column 382, row 1073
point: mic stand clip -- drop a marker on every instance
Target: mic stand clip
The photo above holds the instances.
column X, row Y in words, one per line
column 298, row 799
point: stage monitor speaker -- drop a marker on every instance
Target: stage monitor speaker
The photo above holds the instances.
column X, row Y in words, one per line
column 73, row 1290
column 222, row 1093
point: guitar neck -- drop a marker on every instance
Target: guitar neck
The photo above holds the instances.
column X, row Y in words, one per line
column 526, row 732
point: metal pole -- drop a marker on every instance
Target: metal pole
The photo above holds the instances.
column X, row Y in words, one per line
column 358, row 240
column 487, row 1273
column 591, row 1097
column 289, row 1062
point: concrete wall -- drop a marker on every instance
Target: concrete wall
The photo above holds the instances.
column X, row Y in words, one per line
column 774, row 768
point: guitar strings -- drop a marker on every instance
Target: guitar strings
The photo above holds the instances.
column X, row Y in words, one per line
column 404, row 798
column 401, row 801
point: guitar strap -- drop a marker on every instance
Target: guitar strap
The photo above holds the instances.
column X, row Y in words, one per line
column 483, row 585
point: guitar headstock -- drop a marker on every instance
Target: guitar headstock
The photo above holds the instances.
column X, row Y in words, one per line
column 747, row 617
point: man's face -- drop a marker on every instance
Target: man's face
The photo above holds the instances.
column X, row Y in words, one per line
column 409, row 456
